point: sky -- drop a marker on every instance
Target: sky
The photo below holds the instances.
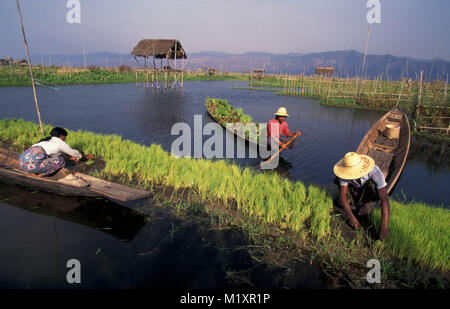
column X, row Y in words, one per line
column 413, row 28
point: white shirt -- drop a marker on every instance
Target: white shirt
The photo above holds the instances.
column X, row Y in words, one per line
column 55, row 146
column 376, row 175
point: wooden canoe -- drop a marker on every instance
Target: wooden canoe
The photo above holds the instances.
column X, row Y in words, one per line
column 242, row 136
column 97, row 187
column 389, row 153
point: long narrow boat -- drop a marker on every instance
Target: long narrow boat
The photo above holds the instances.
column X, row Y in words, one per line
column 96, row 187
column 389, row 153
column 254, row 142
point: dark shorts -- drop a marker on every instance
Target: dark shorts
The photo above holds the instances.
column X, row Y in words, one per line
column 359, row 196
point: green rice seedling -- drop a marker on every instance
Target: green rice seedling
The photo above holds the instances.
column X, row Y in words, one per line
column 419, row 233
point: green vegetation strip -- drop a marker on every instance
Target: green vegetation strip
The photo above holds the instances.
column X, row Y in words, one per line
column 19, row 76
column 419, row 233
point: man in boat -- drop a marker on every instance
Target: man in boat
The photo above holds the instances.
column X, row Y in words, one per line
column 280, row 122
column 362, row 183
column 46, row 157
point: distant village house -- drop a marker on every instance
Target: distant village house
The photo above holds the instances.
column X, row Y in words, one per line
column 12, row 62
column 325, row 71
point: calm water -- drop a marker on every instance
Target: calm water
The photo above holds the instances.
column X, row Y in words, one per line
column 118, row 247
column 147, row 116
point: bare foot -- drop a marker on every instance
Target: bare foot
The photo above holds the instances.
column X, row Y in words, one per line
column 36, row 175
column 384, row 233
column 366, row 209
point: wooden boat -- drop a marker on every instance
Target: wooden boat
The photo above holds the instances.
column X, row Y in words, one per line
column 389, row 153
column 96, row 187
column 242, row 136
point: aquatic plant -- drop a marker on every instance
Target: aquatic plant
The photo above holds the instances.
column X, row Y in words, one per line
column 225, row 113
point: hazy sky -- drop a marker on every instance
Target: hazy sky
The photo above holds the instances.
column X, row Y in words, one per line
column 413, row 28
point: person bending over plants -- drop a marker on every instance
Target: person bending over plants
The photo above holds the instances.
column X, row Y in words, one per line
column 46, row 157
column 361, row 183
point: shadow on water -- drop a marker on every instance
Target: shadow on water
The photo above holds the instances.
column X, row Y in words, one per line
column 97, row 213
column 41, row 232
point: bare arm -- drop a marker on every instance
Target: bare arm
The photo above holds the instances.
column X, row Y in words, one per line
column 385, row 212
column 346, row 204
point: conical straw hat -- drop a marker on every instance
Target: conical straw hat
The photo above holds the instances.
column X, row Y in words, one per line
column 353, row 166
column 282, row 112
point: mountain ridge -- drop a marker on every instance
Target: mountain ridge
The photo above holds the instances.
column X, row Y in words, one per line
column 346, row 63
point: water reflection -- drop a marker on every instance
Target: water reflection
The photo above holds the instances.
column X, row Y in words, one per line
column 99, row 214
column 166, row 252
column 433, row 153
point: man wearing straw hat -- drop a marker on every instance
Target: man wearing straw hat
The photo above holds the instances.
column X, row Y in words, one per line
column 280, row 122
column 361, row 183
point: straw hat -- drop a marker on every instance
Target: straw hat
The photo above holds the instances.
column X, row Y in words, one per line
column 282, row 112
column 353, row 166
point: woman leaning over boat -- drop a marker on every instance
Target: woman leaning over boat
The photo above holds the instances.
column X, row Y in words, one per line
column 46, row 157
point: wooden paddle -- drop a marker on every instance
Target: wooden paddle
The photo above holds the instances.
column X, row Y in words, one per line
column 278, row 152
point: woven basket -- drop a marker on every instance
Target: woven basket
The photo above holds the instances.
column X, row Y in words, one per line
column 392, row 131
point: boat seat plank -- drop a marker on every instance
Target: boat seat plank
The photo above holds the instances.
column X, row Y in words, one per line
column 384, row 142
column 382, row 159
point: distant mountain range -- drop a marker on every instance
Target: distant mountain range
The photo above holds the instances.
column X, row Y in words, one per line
column 346, row 63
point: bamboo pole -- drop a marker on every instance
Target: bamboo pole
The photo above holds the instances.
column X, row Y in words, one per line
column 419, row 99
column 364, row 59
column 446, row 87
column 30, row 68
column 84, row 56
column 176, row 54
column 165, row 79
column 42, row 61
column 398, row 101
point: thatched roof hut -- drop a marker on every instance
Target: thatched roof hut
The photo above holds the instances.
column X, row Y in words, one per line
column 160, row 49
column 326, row 71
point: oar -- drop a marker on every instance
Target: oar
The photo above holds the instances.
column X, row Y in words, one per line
column 278, row 152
